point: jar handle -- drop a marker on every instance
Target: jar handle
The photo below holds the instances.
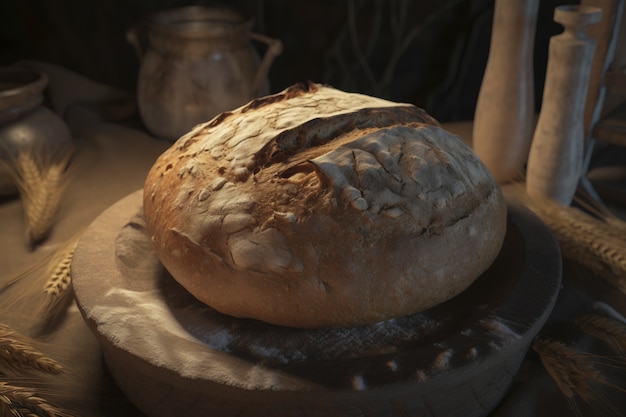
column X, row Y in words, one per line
column 275, row 48
column 133, row 38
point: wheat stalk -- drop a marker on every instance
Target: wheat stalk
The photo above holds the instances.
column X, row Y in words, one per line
column 569, row 368
column 57, row 288
column 18, row 401
column 616, row 226
column 59, row 280
column 41, row 187
column 593, row 242
column 575, row 374
column 18, row 352
column 610, row 331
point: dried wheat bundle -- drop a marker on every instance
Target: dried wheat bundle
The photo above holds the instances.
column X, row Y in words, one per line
column 609, row 330
column 41, row 184
column 577, row 375
column 18, row 401
column 17, row 352
column 595, row 242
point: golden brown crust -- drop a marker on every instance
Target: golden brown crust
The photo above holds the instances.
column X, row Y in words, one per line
column 319, row 208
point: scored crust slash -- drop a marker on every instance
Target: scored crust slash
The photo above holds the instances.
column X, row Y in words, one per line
column 320, row 208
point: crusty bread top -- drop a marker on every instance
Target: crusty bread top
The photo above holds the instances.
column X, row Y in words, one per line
column 272, row 129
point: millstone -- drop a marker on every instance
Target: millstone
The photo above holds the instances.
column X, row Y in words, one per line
column 169, row 352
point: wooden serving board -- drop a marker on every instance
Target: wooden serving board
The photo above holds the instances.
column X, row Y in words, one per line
column 170, row 353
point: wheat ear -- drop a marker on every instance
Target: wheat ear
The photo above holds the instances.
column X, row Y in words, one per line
column 41, row 187
column 58, row 287
column 18, row 352
column 610, row 331
column 59, row 281
column 18, row 401
column 575, row 374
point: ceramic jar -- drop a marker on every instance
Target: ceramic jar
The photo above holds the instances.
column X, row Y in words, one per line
column 25, row 124
column 198, row 62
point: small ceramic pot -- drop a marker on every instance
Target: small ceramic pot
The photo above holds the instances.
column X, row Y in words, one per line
column 26, row 125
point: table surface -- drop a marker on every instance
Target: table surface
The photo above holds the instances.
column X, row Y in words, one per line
column 111, row 161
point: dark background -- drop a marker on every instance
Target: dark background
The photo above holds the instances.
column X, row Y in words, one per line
column 439, row 68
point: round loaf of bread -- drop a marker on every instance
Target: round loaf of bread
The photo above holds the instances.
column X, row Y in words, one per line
column 319, row 208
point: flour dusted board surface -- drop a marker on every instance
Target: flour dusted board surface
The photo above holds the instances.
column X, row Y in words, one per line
column 168, row 352
column 318, row 208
